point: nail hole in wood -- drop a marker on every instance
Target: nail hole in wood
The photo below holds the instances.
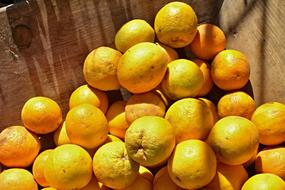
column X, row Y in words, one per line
column 22, row 36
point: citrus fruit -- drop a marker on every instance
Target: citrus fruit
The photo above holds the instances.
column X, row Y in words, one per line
column 190, row 119
column 234, row 140
column 228, row 178
column 68, row 167
column 132, row 33
column 60, row 135
column 212, row 107
column 94, row 184
column 49, row 188
column 142, row 67
column 100, row 68
column 175, row 24
column 182, row 79
column 150, row 140
column 139, row 105
column 39, row 166
column 172, row 53
column 162, row 181
column 230, row 70
column 146, row 173
column 140, row 183
column 264, row 181
column 16, row 178
column 236, row 103
column 270, row 120
column 271, row 160
column 86, row 125
column 192, row 164
column 113, row 167
column 208, row 41
column 112, row 138
column 117, row 123
column 87, row 95
column 18, row 147
column 164, row 98
column 41, row 115
column 206, row 71
column 143, row 181
column 251, row 160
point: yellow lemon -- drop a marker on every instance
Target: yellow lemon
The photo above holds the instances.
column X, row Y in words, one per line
column 68, row 167
column 132, row 33
column 142, row 67
column 175, row 24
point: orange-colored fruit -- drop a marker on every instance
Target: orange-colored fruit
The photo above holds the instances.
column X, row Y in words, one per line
column 18, row 147
column 146, row 173
column 165, row 99
column 117, row 123
column 264, row 181
column 190, row 119
column 112, row 138
column 17, row 179
column 251, row 160
column 182, row 79
column 100, row 68
column 208, row 82
column 228, row 178
column 271, row 160
column 192, row 165
column 41, row 115
column 68, row 166
column 140, row 183
column 150, row 140
column 113, row 167
column 270, row 120
column 212, row 108
column 86, row 125
column 236, row 103
column 162, row 181
column 139, row 105
column 230, row 70
column 49, row 188
column 142, row 67
column 234, row 140
column 39, row 166
column 175, row 24
column 94, row 184
column 172, row 53
column 132, row 33
column 208, row 42
column 87, row 95
column 60, row 136
column 143, row 181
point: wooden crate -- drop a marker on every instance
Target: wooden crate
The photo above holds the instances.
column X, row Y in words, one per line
column 44, row 43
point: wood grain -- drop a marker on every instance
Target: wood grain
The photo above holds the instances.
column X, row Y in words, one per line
column 45, row 58
column 62, row 33
column 256, row 27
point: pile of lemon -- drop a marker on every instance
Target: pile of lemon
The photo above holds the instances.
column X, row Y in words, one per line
column 166, row 135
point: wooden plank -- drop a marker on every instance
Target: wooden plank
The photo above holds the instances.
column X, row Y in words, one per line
column 44, row 42
column 256, row 27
